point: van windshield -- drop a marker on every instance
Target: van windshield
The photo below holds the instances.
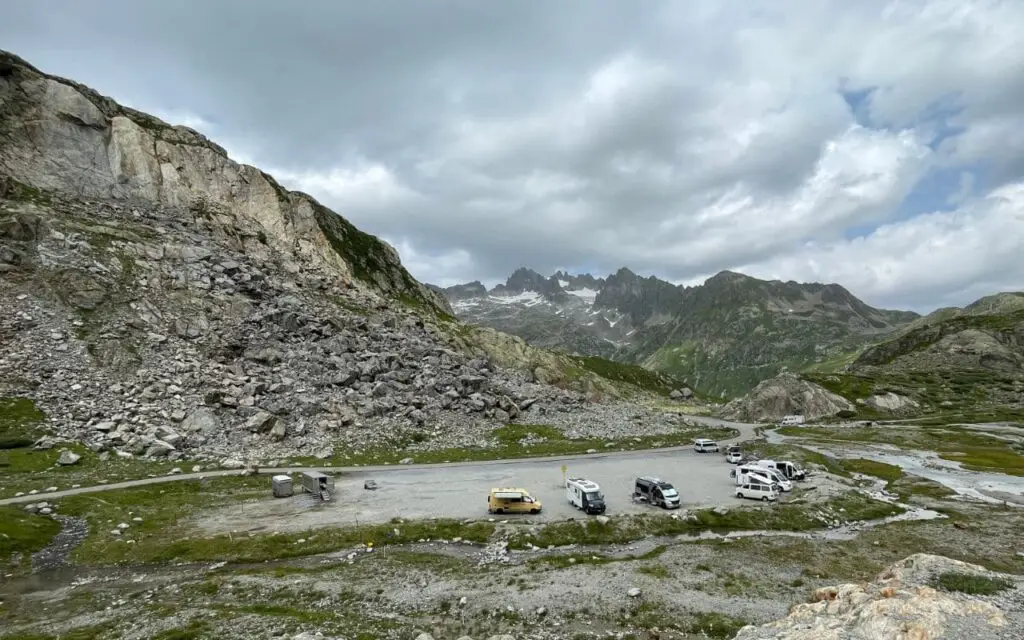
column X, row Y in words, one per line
column 595, row 495
column 669, row 492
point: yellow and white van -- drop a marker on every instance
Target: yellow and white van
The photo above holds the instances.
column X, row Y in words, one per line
column 512, row 500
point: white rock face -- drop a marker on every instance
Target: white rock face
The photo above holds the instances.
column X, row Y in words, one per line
column 898, row 605
column 74, row 140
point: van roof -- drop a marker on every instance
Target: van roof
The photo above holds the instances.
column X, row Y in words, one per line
column 653, row 480
column 586, row 485
column 515, row 490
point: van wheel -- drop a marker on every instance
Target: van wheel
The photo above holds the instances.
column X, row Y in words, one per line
column 534, row 510
column 739, row 495
column 764, row 498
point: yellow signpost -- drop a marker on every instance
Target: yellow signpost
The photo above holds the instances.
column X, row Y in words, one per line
column 564, row 469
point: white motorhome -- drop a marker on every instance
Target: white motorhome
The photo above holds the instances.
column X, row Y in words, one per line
column 785, row 467
column 791, row 421
column 748, row 472
column 776, row 476
column 585, row 495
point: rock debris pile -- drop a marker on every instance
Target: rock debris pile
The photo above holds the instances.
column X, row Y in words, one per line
column 148, row 330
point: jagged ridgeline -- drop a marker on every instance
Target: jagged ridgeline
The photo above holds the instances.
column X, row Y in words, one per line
column 723, row 336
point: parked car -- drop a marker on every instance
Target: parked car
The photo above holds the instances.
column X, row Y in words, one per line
column 757, row 490
column 733, row 455
column 703, row 445
column 512, row 500
column 656, row 491
column 585, row 495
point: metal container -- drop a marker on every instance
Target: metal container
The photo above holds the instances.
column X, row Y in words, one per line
column 282, row 486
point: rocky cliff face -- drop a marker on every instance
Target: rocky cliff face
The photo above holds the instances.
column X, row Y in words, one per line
column 905, row 602
column 61, row 136
column 158, row 299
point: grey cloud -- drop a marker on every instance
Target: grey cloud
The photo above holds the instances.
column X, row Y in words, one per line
column 718, row 100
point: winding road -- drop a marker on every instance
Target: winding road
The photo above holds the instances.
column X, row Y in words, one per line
column 662, row 461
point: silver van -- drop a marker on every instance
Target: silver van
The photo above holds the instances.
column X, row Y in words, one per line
column 757, row 490
column 703, row 445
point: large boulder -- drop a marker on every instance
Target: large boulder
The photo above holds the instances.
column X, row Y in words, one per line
column 203, row 420
column 890, row 402
column 786, row 394
column 900, row 604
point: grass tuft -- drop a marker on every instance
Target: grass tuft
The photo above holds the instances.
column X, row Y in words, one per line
column 970, row 583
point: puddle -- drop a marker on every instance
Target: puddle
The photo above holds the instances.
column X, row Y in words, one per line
column 993, row 488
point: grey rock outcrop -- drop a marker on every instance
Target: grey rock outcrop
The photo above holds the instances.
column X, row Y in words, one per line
column 68, row 458
column 784, row 395
column 900, row 604
column 62, row 136
column 890, row 402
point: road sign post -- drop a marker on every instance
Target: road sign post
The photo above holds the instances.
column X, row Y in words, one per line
column 564, row 469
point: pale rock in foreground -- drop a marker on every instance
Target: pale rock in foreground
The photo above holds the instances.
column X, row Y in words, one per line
column 68, row 458
column 899, row 604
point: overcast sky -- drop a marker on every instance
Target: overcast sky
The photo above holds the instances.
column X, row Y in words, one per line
column 875, row 144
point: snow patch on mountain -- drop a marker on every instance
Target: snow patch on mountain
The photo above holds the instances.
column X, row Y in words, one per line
column 589, row 295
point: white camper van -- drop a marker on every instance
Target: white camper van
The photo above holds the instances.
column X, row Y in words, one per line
column 775, row 476
column 749, row 473
column 785, row 467
column 791, row 421
column 585, row 495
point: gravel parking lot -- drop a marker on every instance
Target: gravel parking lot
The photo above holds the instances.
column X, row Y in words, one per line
column 461, row 492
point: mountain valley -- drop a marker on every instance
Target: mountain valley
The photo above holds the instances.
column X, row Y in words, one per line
column 722, row 337
column 188, row 347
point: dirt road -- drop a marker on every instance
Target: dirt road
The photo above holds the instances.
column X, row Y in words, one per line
column 438, row 474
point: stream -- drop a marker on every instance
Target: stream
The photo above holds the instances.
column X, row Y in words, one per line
column 993, row 488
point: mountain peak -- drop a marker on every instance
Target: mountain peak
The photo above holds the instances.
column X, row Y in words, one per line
column 726, row 276
column 579, row 281
column 524, row 279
